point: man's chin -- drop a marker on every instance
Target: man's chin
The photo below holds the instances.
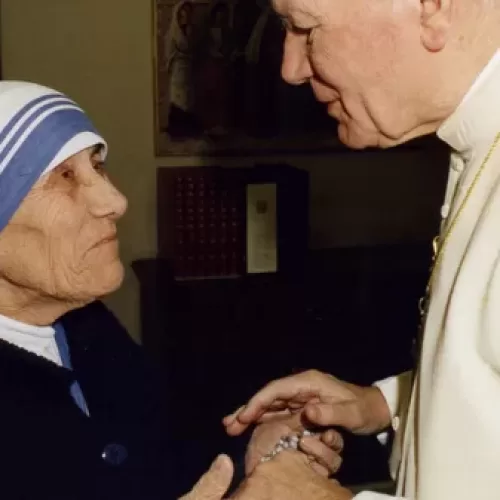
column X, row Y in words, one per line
column 356, row 138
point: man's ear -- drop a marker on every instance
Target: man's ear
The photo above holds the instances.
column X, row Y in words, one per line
column 435, row 23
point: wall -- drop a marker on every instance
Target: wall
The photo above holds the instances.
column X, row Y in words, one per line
column 100, row 53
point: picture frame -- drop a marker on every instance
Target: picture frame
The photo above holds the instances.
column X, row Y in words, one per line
column 218, row 90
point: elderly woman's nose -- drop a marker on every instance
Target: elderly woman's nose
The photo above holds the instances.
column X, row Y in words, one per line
column 120, row 204
column 105, row 200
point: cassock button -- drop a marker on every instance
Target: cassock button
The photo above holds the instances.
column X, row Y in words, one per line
column 445, row 210
column 114, row 454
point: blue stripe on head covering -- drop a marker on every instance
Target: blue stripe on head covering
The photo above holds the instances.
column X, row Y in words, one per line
column 24, row 112
column 37, row 150
column 18, row 128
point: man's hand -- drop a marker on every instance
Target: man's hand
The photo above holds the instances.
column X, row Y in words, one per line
column 321, row 399
column 325, row 448
column 289, row 476
column 215, row 482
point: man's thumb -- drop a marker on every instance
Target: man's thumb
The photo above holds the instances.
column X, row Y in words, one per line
column 326, row 415
column 215, row 482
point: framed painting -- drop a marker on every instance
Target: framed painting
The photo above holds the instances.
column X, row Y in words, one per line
column 218, row 88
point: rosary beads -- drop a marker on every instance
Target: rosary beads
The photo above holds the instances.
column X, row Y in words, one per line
column 286, row 443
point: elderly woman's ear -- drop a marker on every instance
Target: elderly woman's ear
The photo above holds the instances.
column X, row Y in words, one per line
column 58, row 242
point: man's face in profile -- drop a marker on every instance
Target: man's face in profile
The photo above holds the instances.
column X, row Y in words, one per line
column 364, row 60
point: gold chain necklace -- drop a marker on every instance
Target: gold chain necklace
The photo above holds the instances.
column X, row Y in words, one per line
column 439, row 246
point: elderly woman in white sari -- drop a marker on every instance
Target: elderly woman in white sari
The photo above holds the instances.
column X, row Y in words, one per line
column 82, row 413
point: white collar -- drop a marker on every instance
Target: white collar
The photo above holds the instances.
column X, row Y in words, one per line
column 39, row 340
column 476, row 121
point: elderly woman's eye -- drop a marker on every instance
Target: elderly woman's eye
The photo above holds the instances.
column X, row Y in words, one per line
column 99, row 167
column 68, row 174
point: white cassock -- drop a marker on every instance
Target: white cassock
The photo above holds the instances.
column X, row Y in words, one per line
column 447, row 442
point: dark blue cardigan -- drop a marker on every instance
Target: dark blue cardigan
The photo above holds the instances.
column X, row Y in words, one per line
column 50, row 450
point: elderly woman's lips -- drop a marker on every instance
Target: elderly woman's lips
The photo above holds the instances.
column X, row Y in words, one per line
column 109, row 239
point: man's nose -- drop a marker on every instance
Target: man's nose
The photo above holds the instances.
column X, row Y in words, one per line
column 105, row 200
column 295, row 68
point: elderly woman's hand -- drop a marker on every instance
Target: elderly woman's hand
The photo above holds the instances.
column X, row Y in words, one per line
column 289, row 476
column 324, row 448
column 215, row 482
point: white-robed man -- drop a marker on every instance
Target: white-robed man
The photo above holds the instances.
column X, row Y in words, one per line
column 390, row 71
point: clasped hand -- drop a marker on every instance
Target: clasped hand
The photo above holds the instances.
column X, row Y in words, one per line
column 288, row 476
column 284, row 406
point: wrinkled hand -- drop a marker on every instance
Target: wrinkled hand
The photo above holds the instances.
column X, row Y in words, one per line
column 288, row 476
column 322, row 400
column 215, row 482
column 325, row 448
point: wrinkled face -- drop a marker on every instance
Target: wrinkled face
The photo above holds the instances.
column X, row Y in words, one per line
column 61, row 242
column 364, row 60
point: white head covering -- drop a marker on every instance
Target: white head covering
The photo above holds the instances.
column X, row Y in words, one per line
column 175, row 39
column 39, row 129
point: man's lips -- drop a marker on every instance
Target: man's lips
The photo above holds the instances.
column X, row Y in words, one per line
column 331, row 101
column 325, row 100
column 324, row 95
column 335, row 109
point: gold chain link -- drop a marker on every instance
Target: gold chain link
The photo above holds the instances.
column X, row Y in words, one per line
column 439, row 246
